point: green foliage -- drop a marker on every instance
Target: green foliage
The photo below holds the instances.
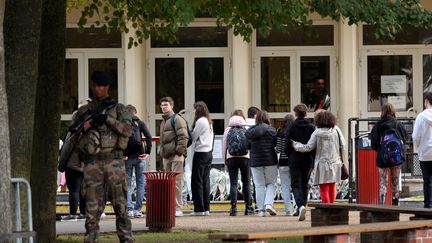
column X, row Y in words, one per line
column 162, row 18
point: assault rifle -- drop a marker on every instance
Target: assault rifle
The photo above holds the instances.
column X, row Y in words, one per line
column 78, row 124
column 76, row 128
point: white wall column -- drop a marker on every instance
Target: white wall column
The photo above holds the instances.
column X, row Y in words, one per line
column 348, row 86
column 241, row 63
column 135, row 77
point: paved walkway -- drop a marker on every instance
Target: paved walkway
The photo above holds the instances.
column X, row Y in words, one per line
column 220, row 221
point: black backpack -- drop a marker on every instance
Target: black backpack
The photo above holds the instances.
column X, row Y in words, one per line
column 189, row 143
column 237, row 144
column 135, row 140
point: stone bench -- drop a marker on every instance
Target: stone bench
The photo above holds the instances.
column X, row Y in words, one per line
column 324, row 214
column 402, row 231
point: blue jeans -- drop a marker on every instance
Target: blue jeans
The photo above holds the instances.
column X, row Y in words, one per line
column 265, row 180
column 285, row 180
column 139, row 166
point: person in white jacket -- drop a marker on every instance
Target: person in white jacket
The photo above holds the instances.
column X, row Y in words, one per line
column 422, row 139
column 202, row 135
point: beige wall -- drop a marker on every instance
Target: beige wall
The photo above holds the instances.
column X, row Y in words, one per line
column 241, row 91
column 426, row 4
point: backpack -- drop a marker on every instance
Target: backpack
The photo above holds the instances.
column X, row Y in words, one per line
column 237, row 144
column 189, row 143
column 135, row 140
column 392, row 148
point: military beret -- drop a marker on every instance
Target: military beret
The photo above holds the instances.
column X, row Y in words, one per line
column 100, row 78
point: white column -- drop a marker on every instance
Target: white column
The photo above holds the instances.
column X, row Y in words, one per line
column 241, row 60
column 348, row 83
column 135, row 77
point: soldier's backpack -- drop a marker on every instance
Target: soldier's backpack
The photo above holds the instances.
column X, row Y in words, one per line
column 237, row 144
column 189, row 143
column 392, row 148
column 135, row 140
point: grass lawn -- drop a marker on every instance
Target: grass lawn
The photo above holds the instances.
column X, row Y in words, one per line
column 175, row 236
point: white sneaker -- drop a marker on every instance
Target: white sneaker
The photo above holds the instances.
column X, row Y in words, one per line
column 69, row 218
column 198, row 214
column 270, row 210
column 103, row 215
column 302, row 213
column 207, row 213
column 130, row 214
column 178, row 213
column 138, row 214
column 289, row 213
column 261, row 214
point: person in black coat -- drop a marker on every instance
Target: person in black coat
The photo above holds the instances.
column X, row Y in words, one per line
column 388, row 121
column 301, row 164
column 263, row 162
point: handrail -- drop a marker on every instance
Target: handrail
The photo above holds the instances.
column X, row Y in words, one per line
column 18, row 227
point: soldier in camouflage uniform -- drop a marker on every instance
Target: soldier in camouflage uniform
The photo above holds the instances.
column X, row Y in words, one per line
column 101, row 146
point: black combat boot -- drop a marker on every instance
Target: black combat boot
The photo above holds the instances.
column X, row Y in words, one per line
column 249, row 210
column 395, row 201
column 233, row 209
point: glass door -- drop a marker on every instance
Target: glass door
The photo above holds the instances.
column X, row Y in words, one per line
column 273, row 91
column 389, row 76
column 188, row 77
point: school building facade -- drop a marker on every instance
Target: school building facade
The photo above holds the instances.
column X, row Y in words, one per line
column 274, row 73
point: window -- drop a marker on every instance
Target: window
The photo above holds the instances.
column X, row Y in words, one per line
column 275, row 84
column 389, row 79
column 409, row 35
column 320, row 35
column 170, row 81
column 70, row 88
column 209, row 82
column 92, row 38
column 195, row 37
column 315, row 77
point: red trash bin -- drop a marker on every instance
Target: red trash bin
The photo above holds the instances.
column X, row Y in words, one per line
column 368, row 178
column 160, row 204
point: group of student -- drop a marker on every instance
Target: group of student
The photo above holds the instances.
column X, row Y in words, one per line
column 388, row 139
column 300, row 151
column 295, row 150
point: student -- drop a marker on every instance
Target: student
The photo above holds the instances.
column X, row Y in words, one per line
column 388, row 121
column 136, row 156
column 237, row 162
column 301, row 164
column 202, row 135
column 263, row 162
column 173, row 146
column 423, row 142
column 283, row 163
column 326, row 139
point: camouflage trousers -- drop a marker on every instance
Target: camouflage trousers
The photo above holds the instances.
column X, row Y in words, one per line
column 395, row 172
column 109, row 176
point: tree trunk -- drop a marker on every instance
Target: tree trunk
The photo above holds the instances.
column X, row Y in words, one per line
column 46, row 125
column 21, row 42
column 5, row 184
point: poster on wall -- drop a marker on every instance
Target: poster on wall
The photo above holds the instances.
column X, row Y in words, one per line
column 217, row 150
column 391, row 84
column 399, row 102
